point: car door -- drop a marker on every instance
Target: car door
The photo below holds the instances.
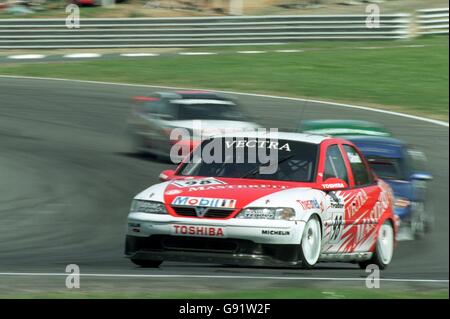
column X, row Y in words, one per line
column 334, row 219
column 146, row 119
column 416, row 163
column 156, row 129
column 364, row 203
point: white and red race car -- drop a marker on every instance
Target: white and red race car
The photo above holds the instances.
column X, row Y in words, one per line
column 321, row 203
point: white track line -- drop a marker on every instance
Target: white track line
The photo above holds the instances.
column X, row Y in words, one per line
column 414, row 46
column 83, row 55
column 27, row 56
column 251, row 52
column 138, row 54
column 197, row 53
column 288, row 51
column 359, row 107
column 37, row 274
column 370, row 48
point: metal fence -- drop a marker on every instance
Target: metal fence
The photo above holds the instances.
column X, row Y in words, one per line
column 190, row 32
column 433, row 21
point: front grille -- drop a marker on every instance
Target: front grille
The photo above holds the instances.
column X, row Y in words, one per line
column 185, row 211
column 210, row 213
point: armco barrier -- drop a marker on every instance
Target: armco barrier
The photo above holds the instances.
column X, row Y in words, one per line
column 189, row 32
column 433, row 21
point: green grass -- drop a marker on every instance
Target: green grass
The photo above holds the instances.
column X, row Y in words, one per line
column 400, row 78
column 288, row 293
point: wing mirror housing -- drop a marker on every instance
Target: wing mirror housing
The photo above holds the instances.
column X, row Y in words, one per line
column 334, row 184
column 166, row 175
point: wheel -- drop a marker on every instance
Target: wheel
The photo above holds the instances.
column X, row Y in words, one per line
column 135, row 142
column 418, row 224
column 146, row 263
column 429, row 218
column 384, row 249
column 311, row 244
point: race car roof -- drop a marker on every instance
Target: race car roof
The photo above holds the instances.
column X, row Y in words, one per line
column 201, row 101
column 343, row 127
column 388, row 147
column 298, row 137
column 181, row 95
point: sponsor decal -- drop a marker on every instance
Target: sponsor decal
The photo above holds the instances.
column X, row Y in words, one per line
column 236, row 187
column 204, row 202
column 197, row 182
column 354, row 158
column 381, row 205
column 337, row 226
column 276, row 232
column 134, row 227
column 336, row 203
column 333, row 185
column 258, row 143
column 265, row 214
column 207, row 231
column 357, row 203
column 173, row 192
column 309, row 204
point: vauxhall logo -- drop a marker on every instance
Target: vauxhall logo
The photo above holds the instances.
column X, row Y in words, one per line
column 201, row 211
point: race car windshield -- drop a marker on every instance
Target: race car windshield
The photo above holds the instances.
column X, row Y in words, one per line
column 208, row 111
column 248, row 158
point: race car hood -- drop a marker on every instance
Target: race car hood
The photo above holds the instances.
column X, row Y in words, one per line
column 215, row 192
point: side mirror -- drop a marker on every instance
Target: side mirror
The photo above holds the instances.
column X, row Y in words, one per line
column 166, row 175
column 334, row 184
column 422, row 176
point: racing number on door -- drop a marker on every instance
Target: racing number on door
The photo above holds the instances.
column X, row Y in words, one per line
column 198, row 182
column 336, row 227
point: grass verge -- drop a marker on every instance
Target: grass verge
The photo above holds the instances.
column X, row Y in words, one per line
column 409, row 76
column 288, row 293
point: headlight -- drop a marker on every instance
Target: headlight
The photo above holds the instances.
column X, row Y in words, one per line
column 280, row 213
column 149, row 207
column 401, row 202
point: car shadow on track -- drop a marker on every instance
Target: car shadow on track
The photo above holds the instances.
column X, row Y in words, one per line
column 239, row 269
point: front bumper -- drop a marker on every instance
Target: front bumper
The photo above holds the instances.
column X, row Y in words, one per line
column 239, row 241
column 207, row 250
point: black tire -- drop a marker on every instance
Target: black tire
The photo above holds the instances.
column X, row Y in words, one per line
column 429, row 218
column 146, row 263
column 137, row 145
column 418, row 223
column 377, row 258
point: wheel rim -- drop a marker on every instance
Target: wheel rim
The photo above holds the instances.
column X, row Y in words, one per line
column 311, row 241
column 417, row 223
column 386, row 243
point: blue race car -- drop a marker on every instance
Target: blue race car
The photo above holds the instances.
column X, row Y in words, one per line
column 404, row 169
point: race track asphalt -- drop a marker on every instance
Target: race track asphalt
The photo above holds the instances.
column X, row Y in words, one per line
column 68, row 174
